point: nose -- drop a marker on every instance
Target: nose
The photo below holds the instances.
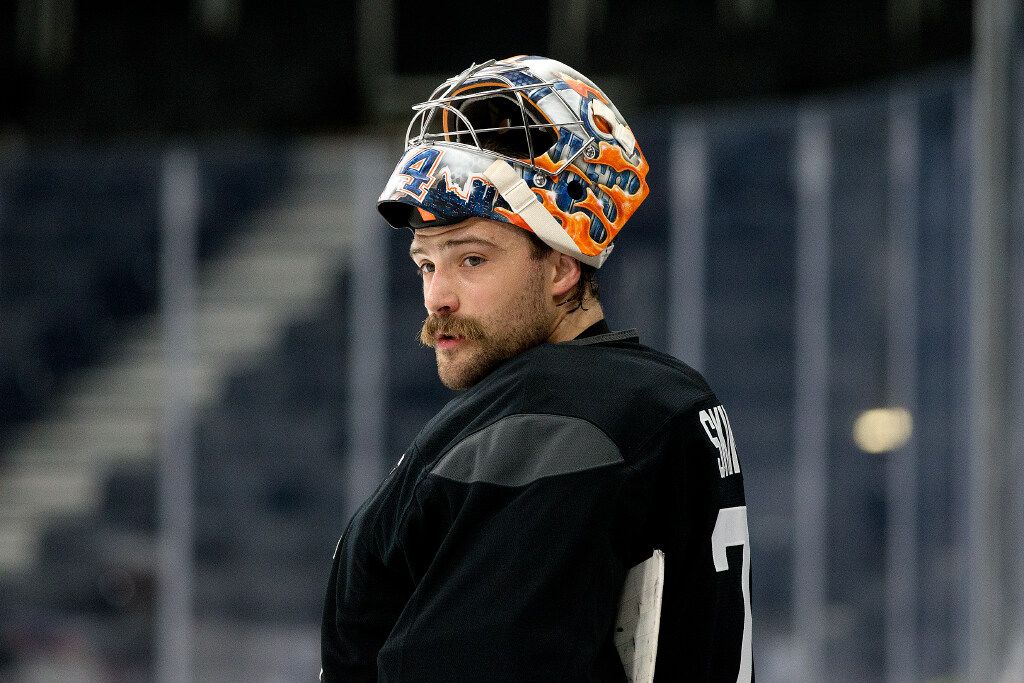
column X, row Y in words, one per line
column 439, row 293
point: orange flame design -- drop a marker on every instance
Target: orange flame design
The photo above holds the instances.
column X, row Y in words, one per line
column 577, row 223
column 583, row 89
column 513, row 218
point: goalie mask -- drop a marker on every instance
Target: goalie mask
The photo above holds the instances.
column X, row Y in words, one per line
column 527, row 141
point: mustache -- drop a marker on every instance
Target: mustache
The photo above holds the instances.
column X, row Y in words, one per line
column 449, row 326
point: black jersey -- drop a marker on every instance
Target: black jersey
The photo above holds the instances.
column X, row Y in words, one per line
column 497, row 548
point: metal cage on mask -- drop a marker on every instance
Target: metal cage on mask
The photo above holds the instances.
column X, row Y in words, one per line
column 450, row 100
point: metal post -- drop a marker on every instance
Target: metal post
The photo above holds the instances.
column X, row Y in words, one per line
column 376, row 41
column 569, row 29
column 990, row 362
column 1016, row 666
column 811, row 387
column 45, row 32
column 179, row 196
column 218, row 17
column 901, row 603
column 687, row 249
column 961, row 375
column 367, row 315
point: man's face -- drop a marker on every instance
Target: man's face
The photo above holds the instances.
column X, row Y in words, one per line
column 487, row 297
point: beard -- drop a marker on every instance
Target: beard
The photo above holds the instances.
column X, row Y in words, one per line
column 485, row 344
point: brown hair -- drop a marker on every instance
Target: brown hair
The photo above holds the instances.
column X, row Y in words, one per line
column 587, row 286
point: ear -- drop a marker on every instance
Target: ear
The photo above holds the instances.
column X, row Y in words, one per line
column 566, row 275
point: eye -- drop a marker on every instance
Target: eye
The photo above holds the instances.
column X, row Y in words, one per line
column 425, row 267
column 473, row 260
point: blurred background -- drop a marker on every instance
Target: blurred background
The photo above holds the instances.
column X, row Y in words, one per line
column 207, row 335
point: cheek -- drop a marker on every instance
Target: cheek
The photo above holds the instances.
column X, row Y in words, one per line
column 484, row 299
column 523, row 293
column 502, row 290
column 484, row 290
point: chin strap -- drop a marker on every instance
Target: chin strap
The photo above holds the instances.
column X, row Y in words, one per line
column 525, row 204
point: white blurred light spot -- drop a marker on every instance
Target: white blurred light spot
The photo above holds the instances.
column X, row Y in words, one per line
column 880, row 430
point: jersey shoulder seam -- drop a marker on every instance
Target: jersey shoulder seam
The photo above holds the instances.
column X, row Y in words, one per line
column 429, row 466
column 668, row 420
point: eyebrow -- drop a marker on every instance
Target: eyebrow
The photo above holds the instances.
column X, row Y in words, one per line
column 449, row 244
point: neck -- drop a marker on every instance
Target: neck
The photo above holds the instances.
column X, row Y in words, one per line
column 570, row 325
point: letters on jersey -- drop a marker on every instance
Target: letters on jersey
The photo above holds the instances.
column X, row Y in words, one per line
column 716, row 426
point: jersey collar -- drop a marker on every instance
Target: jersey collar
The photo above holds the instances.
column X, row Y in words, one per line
column 624, row 335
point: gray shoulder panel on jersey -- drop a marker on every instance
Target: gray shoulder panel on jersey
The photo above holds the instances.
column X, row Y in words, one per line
column 520, row 449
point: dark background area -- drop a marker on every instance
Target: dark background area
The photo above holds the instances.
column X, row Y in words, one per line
column 110, row 68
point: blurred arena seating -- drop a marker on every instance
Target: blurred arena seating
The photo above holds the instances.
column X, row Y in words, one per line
column 64, row 275
column 79, row 255
column 266, row 448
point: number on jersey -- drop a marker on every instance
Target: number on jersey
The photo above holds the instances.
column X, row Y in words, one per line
column 731, row 531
